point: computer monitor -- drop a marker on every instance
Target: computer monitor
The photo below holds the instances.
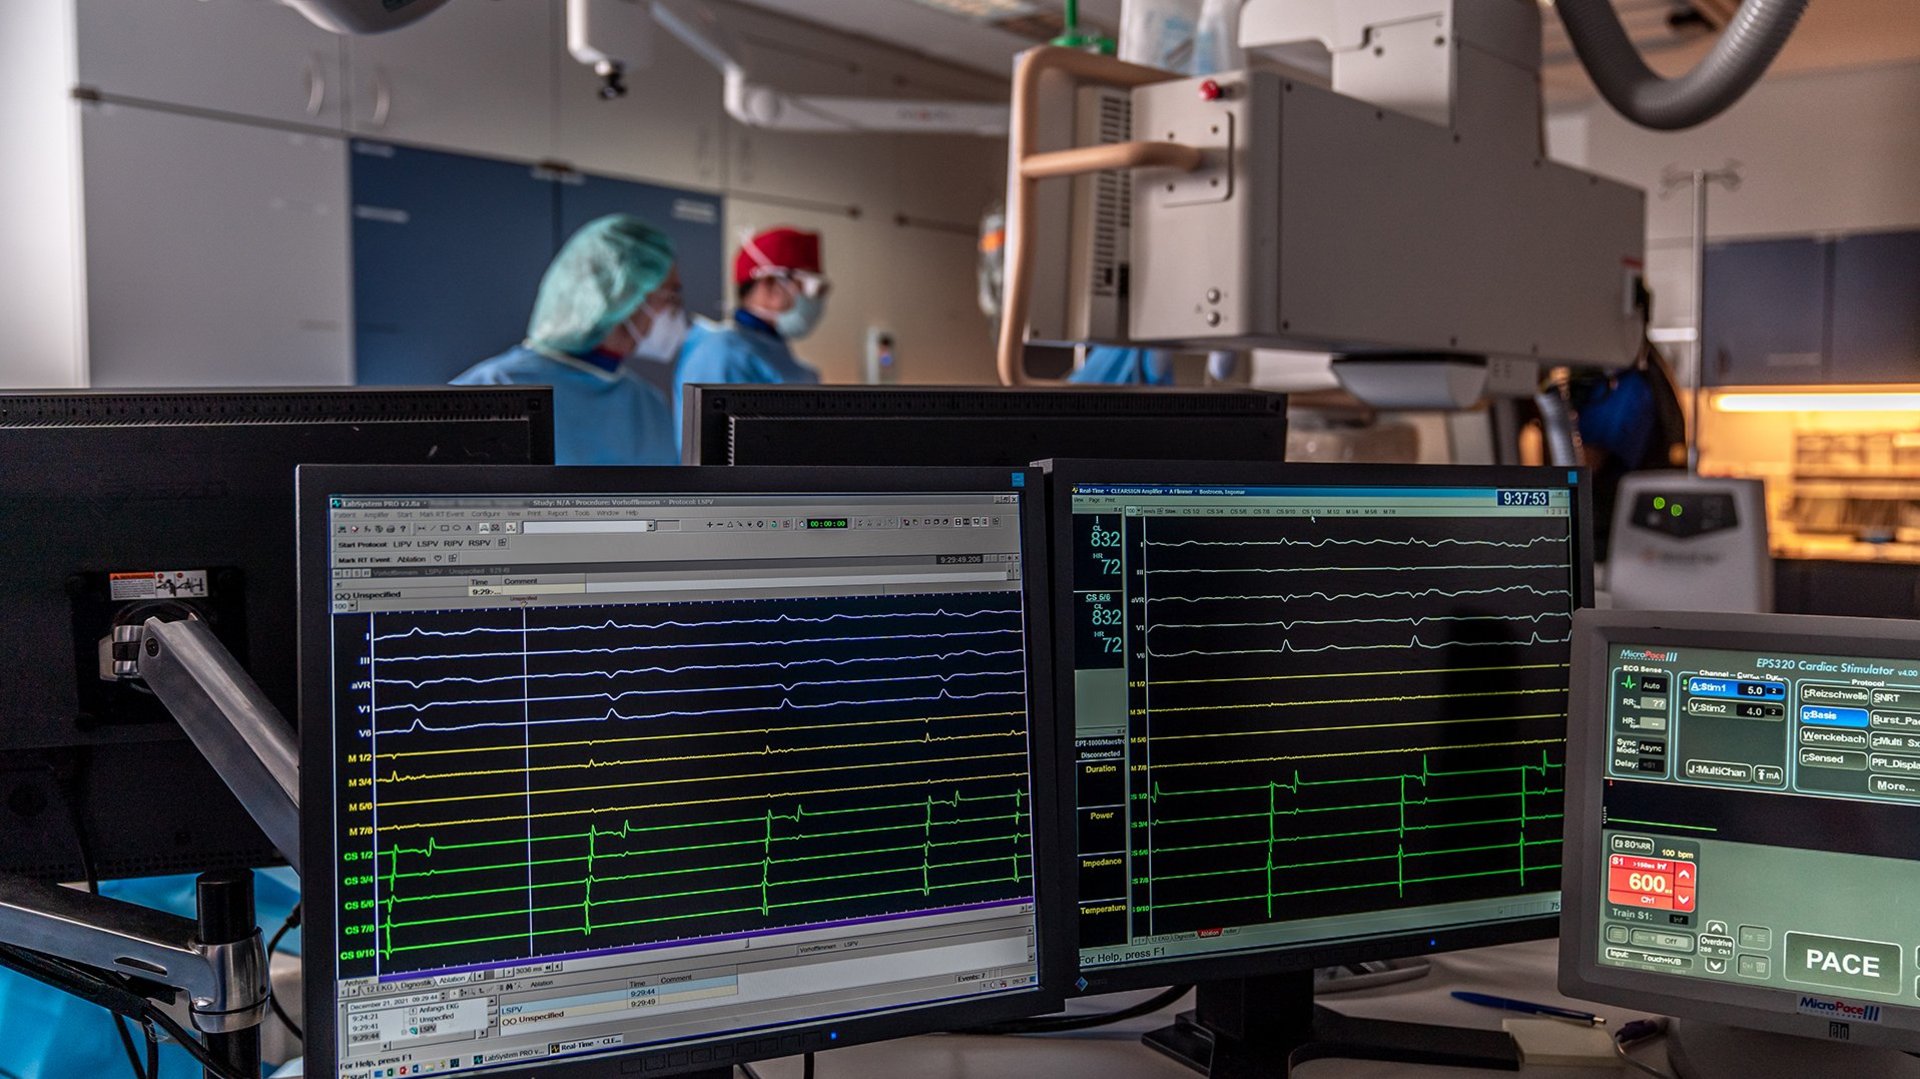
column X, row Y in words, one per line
column 1743, row 829
column 121, row 505
column 1319, row 715
column 644, row 771
column 976, row 425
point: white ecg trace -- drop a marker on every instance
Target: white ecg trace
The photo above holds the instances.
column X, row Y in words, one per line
column 1415, row 642
column 1412, row 620
column 630, row 671
column 611, row 624
column 418, row 726
column 1414, row 541
column 787, row 687
column 1331, row 597
column 682, row 645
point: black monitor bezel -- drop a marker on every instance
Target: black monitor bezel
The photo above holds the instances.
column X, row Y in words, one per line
column 317, row 484
column 1595, row 633
column 1063, row 474
column 706, row 409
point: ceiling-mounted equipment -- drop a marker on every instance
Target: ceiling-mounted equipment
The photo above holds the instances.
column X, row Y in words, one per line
column 759, row 105
column 611, row 37
column 1409, row 210
column 363, row 16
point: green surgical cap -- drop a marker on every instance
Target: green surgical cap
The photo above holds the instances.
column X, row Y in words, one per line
column 598, row 281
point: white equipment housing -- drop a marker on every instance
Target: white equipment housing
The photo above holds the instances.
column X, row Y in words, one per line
column 1408, row 210
column 1690, row 543
column 1087, row 217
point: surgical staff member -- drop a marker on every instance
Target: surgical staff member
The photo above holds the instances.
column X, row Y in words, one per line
column 610, row 298
column 782, row 294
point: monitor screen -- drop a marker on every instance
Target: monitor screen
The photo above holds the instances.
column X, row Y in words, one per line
column 123, row 505
column 975, row 425
column 1317, row 711
column 699, row 767
column 1723, row 763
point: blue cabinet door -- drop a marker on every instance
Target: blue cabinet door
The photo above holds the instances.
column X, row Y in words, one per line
column 692, row 218
column 447, row 254
column 1766, row 313
column 1876, row 308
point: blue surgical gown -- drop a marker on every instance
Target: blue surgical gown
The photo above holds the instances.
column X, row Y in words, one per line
column 1125, row 367
column 746, row 351
column 600, row 417
column 46, row 1034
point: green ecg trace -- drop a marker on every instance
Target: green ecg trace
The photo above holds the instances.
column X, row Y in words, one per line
column 1275, row 838
column 1017, row 863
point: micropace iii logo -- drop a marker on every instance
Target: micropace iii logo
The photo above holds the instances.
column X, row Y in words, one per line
column 1656, row 657
column 1839, row 1010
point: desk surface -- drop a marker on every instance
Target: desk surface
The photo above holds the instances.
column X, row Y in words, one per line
column 1526, row 971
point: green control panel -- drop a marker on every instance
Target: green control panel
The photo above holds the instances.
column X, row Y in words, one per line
column 1762, row 823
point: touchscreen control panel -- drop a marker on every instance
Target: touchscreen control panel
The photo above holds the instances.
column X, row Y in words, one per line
column 1761, row 823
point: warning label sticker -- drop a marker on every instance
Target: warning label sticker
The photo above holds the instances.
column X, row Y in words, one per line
column 159, row 584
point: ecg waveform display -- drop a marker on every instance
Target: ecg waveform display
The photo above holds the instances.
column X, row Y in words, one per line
column 1333, row 714
column 533, row 782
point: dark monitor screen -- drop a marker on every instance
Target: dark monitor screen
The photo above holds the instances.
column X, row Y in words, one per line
column 976, row 425
column 1319, row 712
column 1744, row 823
column 121, row 505
column 668, row 769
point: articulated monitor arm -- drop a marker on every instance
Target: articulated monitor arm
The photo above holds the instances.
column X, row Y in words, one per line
column 226, row 984
column 252, row 747
column 229, row 720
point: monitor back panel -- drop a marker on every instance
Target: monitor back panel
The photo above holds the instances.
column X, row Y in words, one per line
column 773, row 425
column 127, row 505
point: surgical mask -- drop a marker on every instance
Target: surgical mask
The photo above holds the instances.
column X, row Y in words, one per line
column 803, row 317
column 661, row 343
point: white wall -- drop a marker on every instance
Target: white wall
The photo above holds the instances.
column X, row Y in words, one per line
column 40, row 316
column 1818, row 153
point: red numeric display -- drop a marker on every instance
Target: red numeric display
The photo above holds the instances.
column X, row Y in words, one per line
column 1652, row 883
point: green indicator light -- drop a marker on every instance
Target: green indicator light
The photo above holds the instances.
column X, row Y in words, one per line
column 1659, row 503
column 1675, row 510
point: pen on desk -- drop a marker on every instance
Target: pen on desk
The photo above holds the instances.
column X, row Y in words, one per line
column 1529, row 1008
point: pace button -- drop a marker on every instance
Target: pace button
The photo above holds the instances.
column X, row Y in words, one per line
column 1843, row 963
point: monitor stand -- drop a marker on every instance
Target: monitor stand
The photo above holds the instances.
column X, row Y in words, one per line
column 1249, row 1028
column 1711, row 1051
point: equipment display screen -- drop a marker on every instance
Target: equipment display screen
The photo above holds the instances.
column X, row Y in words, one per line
column 620, row 772
column 1313, row 714
column 1732, row 779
